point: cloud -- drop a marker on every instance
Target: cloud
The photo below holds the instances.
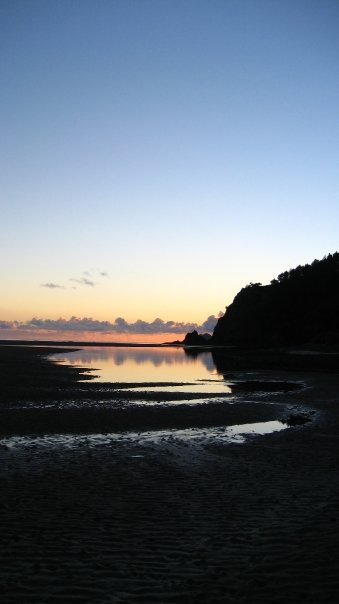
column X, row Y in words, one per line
column 87, row 279
column 8, row 324
column 84, row 281
column 52, row 285
column 210, row 323
column 119, row 325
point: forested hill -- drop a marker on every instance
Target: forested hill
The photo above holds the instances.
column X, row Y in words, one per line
column 300, row 306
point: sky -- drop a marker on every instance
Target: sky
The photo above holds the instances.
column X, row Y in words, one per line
column 159, row 155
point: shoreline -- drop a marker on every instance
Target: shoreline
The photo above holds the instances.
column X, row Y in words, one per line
column 171, row 520
column 81, row 343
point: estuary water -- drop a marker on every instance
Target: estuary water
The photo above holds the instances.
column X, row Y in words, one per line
column 174, row 371
column 129, row 365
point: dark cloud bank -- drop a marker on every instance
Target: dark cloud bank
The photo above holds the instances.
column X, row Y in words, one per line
column 120, row 325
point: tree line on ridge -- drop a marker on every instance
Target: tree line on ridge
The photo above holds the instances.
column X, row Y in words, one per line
column 300, row 306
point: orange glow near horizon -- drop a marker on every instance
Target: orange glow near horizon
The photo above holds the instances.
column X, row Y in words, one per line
column 85, row 336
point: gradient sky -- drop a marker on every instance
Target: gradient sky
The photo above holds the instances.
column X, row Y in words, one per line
column 157, row 156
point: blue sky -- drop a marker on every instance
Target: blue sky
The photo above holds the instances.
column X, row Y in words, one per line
column 183, row 148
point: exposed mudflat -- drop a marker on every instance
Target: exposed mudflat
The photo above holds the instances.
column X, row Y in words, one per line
column 164, row 507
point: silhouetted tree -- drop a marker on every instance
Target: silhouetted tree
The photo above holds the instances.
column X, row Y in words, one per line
column 300, row 305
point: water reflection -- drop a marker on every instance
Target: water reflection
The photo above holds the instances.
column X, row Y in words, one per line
column 216, row 435
column 202, row 386
column 126, row 364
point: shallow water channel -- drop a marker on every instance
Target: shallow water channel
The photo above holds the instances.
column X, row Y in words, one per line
column 129, row 365
column 171, row 370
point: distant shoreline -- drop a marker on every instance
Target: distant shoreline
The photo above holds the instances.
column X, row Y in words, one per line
column 299, row 349
column 84, row 343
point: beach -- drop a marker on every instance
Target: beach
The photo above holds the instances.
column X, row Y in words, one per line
column 152, row 516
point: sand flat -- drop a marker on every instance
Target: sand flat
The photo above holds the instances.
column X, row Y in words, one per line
column 172, row 521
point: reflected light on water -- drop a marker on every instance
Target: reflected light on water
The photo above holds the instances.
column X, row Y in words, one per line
column 124, row 364
column 237, row 433
column 203, row 436
column 203, row 386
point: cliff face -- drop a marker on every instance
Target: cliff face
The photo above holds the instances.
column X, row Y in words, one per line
column 301, row 305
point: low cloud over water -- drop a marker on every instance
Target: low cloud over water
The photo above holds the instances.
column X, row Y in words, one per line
column 35, row 327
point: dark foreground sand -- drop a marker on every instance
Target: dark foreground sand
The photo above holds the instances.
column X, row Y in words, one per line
column 169, row 520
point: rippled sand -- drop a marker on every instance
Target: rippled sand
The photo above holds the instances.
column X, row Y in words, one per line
column 167, row 519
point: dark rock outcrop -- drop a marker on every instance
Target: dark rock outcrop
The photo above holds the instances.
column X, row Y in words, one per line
column 193, row 338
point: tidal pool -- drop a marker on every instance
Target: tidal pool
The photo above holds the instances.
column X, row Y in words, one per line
column 227, row 434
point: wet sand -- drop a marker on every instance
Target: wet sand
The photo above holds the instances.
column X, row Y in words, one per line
column 165, row 519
